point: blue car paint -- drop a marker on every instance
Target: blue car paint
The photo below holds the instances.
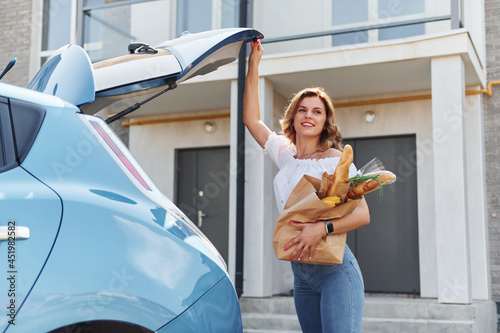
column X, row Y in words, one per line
column 29, row 203
column 53, row 79
column 118, row 255
column 131, row 245
column 209, row 319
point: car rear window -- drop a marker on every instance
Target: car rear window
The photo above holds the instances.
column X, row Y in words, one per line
column 7, row 152
column 27, row 119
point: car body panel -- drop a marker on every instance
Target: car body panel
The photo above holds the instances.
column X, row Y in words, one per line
column 148, row 255
column 204, row 52
column 214, row 319
column 25, row 202
column 136, row 77
column 130, row 69
column 111, row 247
column 53, row 79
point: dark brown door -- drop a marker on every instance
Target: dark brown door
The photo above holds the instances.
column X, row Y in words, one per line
column 387, row 248
column 203, row 192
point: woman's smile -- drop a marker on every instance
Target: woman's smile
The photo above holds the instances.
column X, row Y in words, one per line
column 311, row 116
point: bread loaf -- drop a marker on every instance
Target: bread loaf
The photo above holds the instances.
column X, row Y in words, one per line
column 369, row 185
column 341, row 175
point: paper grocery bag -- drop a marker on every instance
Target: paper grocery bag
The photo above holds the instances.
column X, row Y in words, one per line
column 303, row 205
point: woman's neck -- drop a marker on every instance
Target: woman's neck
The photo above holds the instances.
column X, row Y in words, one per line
column 307, row 148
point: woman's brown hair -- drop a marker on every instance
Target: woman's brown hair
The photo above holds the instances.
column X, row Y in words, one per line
column 330, row 136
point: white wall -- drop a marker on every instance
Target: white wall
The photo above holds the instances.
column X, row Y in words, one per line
column 414, row 117
column 154, row 146
column 474, row 22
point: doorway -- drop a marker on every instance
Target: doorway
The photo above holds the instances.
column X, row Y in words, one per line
column 202, row 192
column 387, row 248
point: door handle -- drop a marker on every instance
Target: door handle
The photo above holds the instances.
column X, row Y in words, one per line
column 201, row 215
column 14, row 232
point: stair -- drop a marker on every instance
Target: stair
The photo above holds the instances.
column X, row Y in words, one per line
column 381, row 314
column 269, row 315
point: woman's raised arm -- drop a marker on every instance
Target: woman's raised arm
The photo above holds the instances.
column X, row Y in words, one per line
column 251, row 103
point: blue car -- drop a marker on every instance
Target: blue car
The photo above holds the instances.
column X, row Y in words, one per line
column 87, row 242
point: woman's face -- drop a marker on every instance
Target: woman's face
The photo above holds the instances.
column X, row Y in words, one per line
column 310, row 117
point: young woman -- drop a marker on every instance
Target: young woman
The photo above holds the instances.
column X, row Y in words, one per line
column 328, row 298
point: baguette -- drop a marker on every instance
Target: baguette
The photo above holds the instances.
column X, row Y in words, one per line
column 326, row 181
column 367, row 186
column 341, row 175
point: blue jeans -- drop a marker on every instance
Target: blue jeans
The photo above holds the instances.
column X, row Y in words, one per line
column 329, row 298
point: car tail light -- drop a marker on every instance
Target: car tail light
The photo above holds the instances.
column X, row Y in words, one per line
column 119, row 153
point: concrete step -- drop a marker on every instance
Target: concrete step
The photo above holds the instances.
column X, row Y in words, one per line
column 269, row 315
column 393, row 314
column 381, row 314
column 249, row 330
column 266, row 305
column 271, row 322
column 391, row 325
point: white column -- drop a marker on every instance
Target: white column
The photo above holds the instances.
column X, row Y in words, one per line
column 426, row 211
column 448, row 109
column 233, row 150
column 259, row 202
column 476, row 198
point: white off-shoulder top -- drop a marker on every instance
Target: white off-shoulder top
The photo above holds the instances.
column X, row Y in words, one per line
column 291, row 170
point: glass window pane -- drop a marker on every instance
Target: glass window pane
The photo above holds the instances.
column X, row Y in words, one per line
column 392, row 8
column 90, row 3
column 401, row 32
column 3, row 110
column 56, row 24
column 7, row 152
column 230, row 13
column 194, row 16
column 349, row 11
column 109, row 30
column 350, row 38
column 148, row 21
column 280, row 18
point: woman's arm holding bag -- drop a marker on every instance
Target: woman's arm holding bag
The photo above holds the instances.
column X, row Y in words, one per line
column 312, row 233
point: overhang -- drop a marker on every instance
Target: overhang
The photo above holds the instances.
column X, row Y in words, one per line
column 395, row 67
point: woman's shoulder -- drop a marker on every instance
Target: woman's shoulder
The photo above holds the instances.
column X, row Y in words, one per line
column 331, row 152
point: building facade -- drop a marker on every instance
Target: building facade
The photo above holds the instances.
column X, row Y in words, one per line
column 409, row 81
column 491, row 120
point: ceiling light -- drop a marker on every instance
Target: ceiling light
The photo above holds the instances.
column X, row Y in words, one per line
column 209, row 126
column 370, row 116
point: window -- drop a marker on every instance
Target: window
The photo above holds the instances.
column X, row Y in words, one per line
column 3, row 107
column 202, row 15
column 27, row 119
column 55, row 23
column 400, row 32
column 105, row 28
column 345, row 12
column 7, row 152
column 58, row 21
column 348, row 13
column 389, row 9
column 230, row 13
column 297, row 25
column 110, row 27
column 395, row 8
column 194, row 16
